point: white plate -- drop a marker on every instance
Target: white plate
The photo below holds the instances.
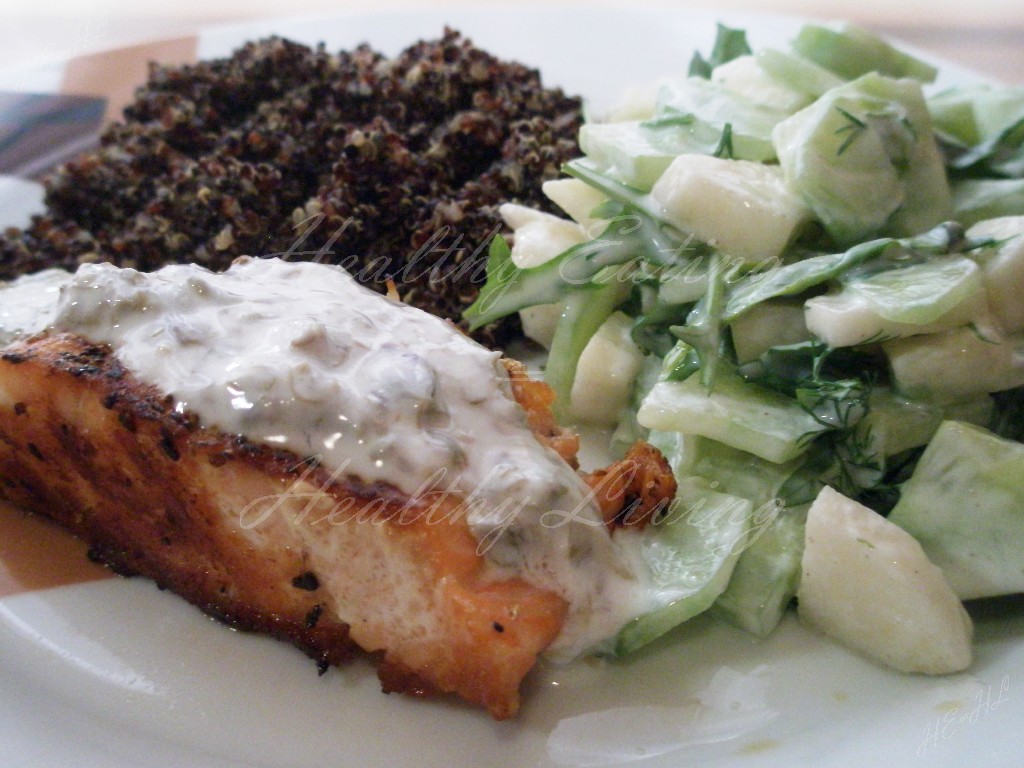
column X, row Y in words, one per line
column 115, row 673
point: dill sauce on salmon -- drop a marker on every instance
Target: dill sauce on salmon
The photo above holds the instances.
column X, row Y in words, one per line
column 300, row 356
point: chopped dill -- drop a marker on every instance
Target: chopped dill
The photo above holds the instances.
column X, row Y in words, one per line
column 853, row 128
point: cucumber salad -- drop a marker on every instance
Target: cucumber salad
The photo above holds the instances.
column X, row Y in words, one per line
column 799, row 273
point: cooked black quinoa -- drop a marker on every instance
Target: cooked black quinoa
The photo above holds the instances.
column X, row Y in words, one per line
column 392, row 167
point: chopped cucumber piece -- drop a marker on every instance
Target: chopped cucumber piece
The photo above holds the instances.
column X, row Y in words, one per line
column 894, row 424
column 842, row 167
column 768, row 324
column 972, row 114
column 800, row 276
column 637, row 153
column 765, row 578
column 956, row 365
column 605, row 373
column 928, row 200
column 932, row 296
column 583, row 313
column 1003, row 267
column 691, row 554
column 981, row 411
column 628, row 430
column 868, row 584
column 744, row 416
column 680, row 450
column 539, row 237
column 952, row 111
column 583, row 267
column 865, row 160
column 993, row 142
column 745, row 77
column 997, row 109
column 736, row 472
column 714, row 105
column 797, row 72
column 965, row 505
column 976, row 200
column 850, row 52
column 683, row 285
column 743, row 209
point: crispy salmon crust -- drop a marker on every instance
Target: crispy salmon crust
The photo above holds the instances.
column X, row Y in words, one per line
column 261, row 538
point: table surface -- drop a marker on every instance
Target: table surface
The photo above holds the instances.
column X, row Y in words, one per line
column 985, row 35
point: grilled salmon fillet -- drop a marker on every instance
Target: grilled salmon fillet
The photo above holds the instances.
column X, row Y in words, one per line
column 263, row 539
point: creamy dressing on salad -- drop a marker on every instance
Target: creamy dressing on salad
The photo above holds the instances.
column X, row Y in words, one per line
column 300, row 356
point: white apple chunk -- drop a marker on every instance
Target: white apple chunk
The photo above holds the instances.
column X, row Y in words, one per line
column 578, row 199
column 743, row 208
column 868, row 584
column 605, row 373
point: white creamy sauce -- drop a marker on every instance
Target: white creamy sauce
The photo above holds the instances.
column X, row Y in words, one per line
column 300, row 356
column 29, row 304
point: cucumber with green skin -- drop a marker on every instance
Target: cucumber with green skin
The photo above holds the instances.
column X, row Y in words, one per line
column 894, row 424
column 965, row 505
column 747, row 77
column 765, row 578
column 976, row 200
column 797, row 72
column 769, row 324
column 1003, row 266
column 741, row 415
column 956, row 365
column 714, row 105
column 850, row 52
column 865, row 159
column 637, row 153
column 932, row 296
column 691, row 553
